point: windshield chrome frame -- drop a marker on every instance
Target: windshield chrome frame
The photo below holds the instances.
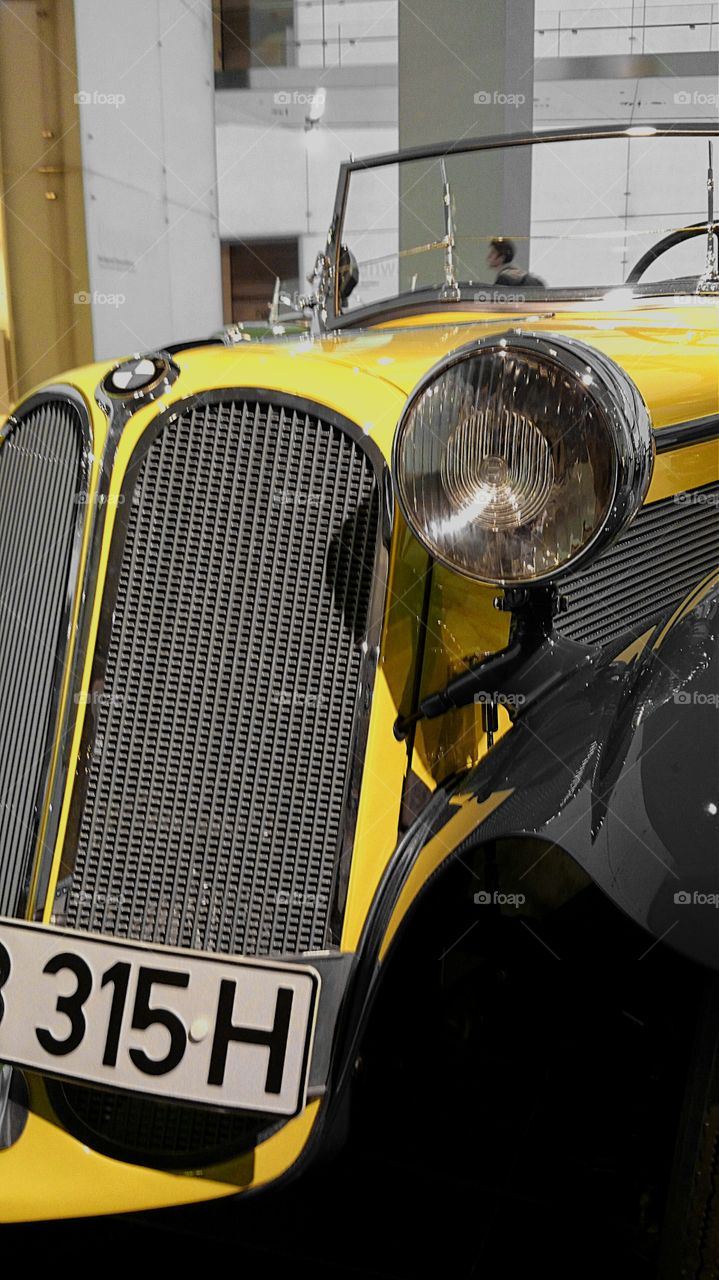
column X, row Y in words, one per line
column 429, row 299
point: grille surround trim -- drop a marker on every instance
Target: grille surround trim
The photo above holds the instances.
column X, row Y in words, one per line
column 53, row 773
column 374, row 622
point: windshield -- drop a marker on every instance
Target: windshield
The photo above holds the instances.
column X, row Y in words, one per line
column 528, row 220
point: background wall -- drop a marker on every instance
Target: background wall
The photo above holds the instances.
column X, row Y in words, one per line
column 347, row 78
column 324, row 88
column 146, row 100
column 596, row 210
column 299, row 174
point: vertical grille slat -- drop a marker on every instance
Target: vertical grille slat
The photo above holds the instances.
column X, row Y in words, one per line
column 212, row 810
column 669, row 547
column 41, row 484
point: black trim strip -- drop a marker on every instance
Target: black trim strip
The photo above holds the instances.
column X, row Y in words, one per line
column 174, row 348
column 685, row 433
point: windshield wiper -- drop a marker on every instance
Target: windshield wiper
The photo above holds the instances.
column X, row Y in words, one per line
column 709, row 281
column 450, row 291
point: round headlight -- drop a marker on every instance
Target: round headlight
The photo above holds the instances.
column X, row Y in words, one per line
column 520, row 455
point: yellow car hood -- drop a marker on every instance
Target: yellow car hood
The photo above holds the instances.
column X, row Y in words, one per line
column 672, row 354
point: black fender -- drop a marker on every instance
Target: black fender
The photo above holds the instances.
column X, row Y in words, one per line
column 619, row 768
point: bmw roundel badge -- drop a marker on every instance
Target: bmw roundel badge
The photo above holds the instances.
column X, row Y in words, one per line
column 137, row 376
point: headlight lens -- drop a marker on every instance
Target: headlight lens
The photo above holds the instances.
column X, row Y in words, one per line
column 520, row 455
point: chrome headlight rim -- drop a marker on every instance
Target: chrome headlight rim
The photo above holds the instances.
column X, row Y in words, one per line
column 621, row 406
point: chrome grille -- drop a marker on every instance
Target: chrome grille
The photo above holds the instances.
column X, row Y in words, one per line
column 41, row 486
column 221, row 746
column 669, row 547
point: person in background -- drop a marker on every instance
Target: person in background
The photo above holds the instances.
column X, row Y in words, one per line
column 500, row 257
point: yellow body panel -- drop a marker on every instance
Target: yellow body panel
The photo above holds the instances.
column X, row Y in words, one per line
column 49, row 1174
column 437, row 850
column 682, row 469
column 673, row 356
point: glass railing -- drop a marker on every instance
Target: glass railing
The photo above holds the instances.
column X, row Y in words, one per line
column 592, row 32
column 309, row 33
column 328, row 34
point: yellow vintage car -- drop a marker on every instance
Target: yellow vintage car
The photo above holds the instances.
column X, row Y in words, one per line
column 294, row 627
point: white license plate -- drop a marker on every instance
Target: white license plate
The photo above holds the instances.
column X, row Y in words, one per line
column 185, row 1025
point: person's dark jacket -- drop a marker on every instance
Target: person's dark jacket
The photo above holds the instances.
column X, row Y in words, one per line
column 514, row 275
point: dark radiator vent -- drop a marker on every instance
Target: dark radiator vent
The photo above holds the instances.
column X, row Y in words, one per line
column 222, row 751
column 670, row 546
column 165, row 1135
column 41, row 487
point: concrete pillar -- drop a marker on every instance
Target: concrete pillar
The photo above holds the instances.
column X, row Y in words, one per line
column 465, row 70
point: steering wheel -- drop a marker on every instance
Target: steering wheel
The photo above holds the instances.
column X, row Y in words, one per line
column 674, row 237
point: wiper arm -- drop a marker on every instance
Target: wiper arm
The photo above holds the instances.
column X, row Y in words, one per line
column 709, row 281
column 450, row 291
